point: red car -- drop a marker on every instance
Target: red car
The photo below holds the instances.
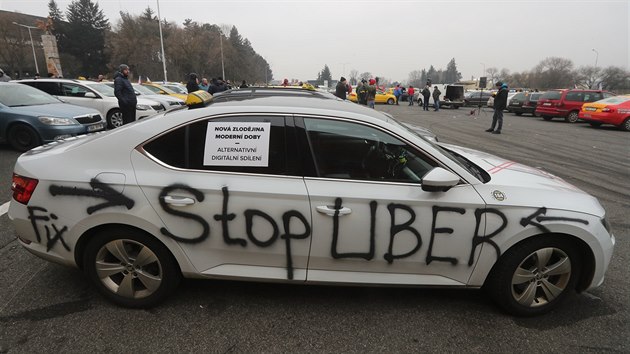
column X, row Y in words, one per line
column 613, row 110
column 567, row 103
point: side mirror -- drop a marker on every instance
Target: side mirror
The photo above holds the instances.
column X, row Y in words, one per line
column 90, row 95
column 439, row 180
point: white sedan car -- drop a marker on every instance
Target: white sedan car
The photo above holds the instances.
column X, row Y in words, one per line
column 304, row 190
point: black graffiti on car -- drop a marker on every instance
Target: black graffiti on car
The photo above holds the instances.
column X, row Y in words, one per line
column 539, row 218
column 35, row 215
column 99, row 190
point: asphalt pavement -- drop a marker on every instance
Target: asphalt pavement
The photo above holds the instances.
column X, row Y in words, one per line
column 48, row 308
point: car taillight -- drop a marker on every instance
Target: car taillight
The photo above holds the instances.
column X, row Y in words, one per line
column 23, row 188
column 608, row 110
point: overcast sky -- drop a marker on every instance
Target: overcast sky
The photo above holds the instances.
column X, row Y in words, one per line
column 391, row 38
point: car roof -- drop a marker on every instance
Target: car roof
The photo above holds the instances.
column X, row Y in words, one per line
column 306, row 105
column 257, row 91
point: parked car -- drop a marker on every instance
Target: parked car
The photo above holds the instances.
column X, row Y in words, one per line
column 511, row 95
column 267, row 91
column 176, row 87
column 524, row 102
column 168, row 103
column 613, row 110
column 304, row 191
column 30, row 117
column 381, row 97
column 94, row 95
column 567, row 103
column 453, row 97
column 163, row 90
column 476, row 98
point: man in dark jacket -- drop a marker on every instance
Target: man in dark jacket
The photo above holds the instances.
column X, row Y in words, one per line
column 125, row 94
column 193, row 83
column 341, row 90
column 500, row 103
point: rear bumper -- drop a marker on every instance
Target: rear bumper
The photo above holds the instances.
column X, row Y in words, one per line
column 601, row 118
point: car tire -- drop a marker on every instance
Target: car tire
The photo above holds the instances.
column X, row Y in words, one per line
column 534, row 276
column 114, row 119
column 518, row 113
column 23, row 137
column 572, row 117
column 595, row 124
column 130, row 268
column 625, row 125
column 547, row 118
column 390, row 101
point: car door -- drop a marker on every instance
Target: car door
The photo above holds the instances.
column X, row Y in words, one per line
column 372, row 222
column 225, row 190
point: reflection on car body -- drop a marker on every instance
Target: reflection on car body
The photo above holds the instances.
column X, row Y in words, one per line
column 305, row 190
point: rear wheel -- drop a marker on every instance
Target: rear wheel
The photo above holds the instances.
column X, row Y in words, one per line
column 535, row 276
column 572, row 117
column 626, row 125
column 547, row 117
column 23, row 138
column 130, row 268
column 390, row 101
column 114, row 119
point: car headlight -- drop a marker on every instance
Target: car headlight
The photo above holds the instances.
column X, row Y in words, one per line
column 143, row 107
column 57, row 121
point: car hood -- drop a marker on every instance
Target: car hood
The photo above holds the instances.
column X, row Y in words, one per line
column 62, row 110
column 515, row 184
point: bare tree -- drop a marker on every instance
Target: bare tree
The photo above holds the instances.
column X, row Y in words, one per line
column 493, row 74
column 354, row 76
column 588, row 76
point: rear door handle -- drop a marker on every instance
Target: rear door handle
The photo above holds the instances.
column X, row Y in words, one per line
column 178, row 201
column 329, row 210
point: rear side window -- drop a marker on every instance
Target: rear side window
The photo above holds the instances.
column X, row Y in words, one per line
column 592, row 96
column 251, row 144
column 519, row 96
column 551, row 95
column 577, row 96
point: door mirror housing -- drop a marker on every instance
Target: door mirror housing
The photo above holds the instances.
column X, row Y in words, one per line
column 439, row 180
column 90, row 95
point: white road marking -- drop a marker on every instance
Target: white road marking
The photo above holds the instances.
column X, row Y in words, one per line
column 4, row 208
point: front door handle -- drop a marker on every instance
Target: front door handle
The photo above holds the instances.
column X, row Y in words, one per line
column 178, row 201
column 329, row 210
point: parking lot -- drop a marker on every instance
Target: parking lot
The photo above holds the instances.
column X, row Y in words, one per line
column 49, row 308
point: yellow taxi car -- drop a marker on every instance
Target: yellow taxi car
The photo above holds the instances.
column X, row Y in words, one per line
column 157, row 88
column 612, row 110
column 381, row 97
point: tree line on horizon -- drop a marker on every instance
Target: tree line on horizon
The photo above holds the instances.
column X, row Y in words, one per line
column 89, row 45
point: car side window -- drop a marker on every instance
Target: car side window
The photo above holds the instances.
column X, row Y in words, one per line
column 576, row 96
column 354, row 151
column 251, row 144
column 73, row 90
column 608, row 94
column 51, row 88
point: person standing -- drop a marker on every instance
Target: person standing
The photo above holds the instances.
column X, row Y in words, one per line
column 204, row 85
column 397, row 93
column 371, row 93
column 436, row 98
column 4, row 77
column 426, row 94
column 500, row 103
column 410, row 92
column 243, row 85
column 193, row 83
column 341, row 90
column 125, row 94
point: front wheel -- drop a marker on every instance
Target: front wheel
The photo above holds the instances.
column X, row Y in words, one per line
column 535, row 276
column 114, row 119
column 572, row 117
column 390, row 101
column 23, row 138
column 130, row 268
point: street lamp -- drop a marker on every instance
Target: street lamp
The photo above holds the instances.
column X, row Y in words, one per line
column 162, row 40
column 222, row 66
column 32, row 44
column 596, row 56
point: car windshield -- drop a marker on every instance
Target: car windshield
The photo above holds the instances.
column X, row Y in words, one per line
column 144, row 90
column 615, row 100
column 175, row 88
column 519, row 96
column 103, row 89
column 535, row 96
column 551, row 95
column 17, row 95
column 157, row 89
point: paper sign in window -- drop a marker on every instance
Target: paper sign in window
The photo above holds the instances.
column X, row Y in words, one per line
column 237, row 144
